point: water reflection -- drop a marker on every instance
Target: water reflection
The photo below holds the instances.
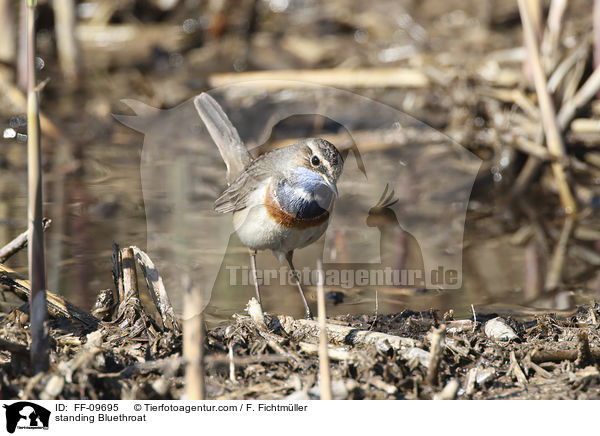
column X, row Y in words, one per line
column 94, row 196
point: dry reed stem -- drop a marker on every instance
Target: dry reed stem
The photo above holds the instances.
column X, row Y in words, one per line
column 193, row 342
column 553, row 278
column 436, row 352
column 596, row 25
column 157, row 290
column 339, row 77
column 325, row 376
column 549, row 46
column 340, row 334
column 130, row 295
column 8, row 39
column 18, row 243
column 68, row 55
column 37, row 269
column 587, row 91
column 22, row 47
column 57, row 306
column 553, row 135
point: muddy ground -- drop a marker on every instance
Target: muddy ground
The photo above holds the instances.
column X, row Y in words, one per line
column 406, row 355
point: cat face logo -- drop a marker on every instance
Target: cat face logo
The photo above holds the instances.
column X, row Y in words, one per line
column 396, row 167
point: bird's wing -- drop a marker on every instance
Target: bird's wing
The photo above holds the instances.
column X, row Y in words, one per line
column 224, row 134
column 236, row 195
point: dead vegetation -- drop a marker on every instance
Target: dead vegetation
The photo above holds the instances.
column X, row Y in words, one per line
column 408, row 355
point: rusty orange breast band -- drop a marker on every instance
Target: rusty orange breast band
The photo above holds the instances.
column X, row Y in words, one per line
column 286, row 219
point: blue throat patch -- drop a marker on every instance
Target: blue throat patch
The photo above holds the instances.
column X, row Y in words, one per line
column 313, row 204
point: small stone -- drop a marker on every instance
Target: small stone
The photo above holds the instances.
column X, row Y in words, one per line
column 53, row 388
column 94, row 339
column 498, row 330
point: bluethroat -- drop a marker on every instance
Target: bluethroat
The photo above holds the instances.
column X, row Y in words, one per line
column 281, row 200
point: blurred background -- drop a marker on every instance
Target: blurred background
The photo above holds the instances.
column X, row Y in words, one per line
column 458, row 66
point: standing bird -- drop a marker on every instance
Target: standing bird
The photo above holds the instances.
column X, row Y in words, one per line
column 281, row 200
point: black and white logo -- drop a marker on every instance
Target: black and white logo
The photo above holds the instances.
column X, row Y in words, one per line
column 26, row 415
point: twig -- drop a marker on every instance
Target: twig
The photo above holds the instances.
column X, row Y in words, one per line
column 21, row 350
column 515, row 368
column 587, row 91
column 564, row 117
column 596, row 31
column 553, row 278
column 57, row 306
column 585, row 125
column 435, row 355
column 565, row 66
column 534, row 280
column 325, row 377
column 552, row 34
column 193, row 341
column 339, row 354
column 534, row 10
column 231, row 363
column 515, row 96
column 22, row 47
column 175, row 362
column 68, row 56
column 37, row 270
column 533, row 149
column 553, row 135
column 117, row 272
column 340, row 77
column 256, row 314
column 376, row 308
column 559, row 355
column 538, row 369
column 129, row 299
column 530, row 169
column 157, row 290
column 20, row 242
column 258, row 319
column 449, row 392
column 350, row 336
column 573, row 80
column 584, row 354
column 7, row 32
column 16, row 97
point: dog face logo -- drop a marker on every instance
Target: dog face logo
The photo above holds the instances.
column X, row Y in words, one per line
column 422, row 178
column 26, row 415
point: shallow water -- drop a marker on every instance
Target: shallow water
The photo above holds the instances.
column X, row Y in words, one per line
column 156, row 191
column 106, row 182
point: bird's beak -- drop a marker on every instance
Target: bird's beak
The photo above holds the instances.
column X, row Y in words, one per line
column 331, row 185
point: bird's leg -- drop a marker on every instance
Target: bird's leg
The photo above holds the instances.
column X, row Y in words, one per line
column 288, row 257
column 254, row 275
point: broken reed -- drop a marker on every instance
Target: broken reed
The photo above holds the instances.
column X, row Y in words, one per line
column 37, row 269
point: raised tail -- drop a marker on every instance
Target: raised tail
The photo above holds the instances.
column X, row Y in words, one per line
column 224, row 134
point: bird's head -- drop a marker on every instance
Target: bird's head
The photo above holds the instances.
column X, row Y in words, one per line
column 319, row 160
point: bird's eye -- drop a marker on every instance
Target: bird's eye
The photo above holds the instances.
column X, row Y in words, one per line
column 315, row 161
